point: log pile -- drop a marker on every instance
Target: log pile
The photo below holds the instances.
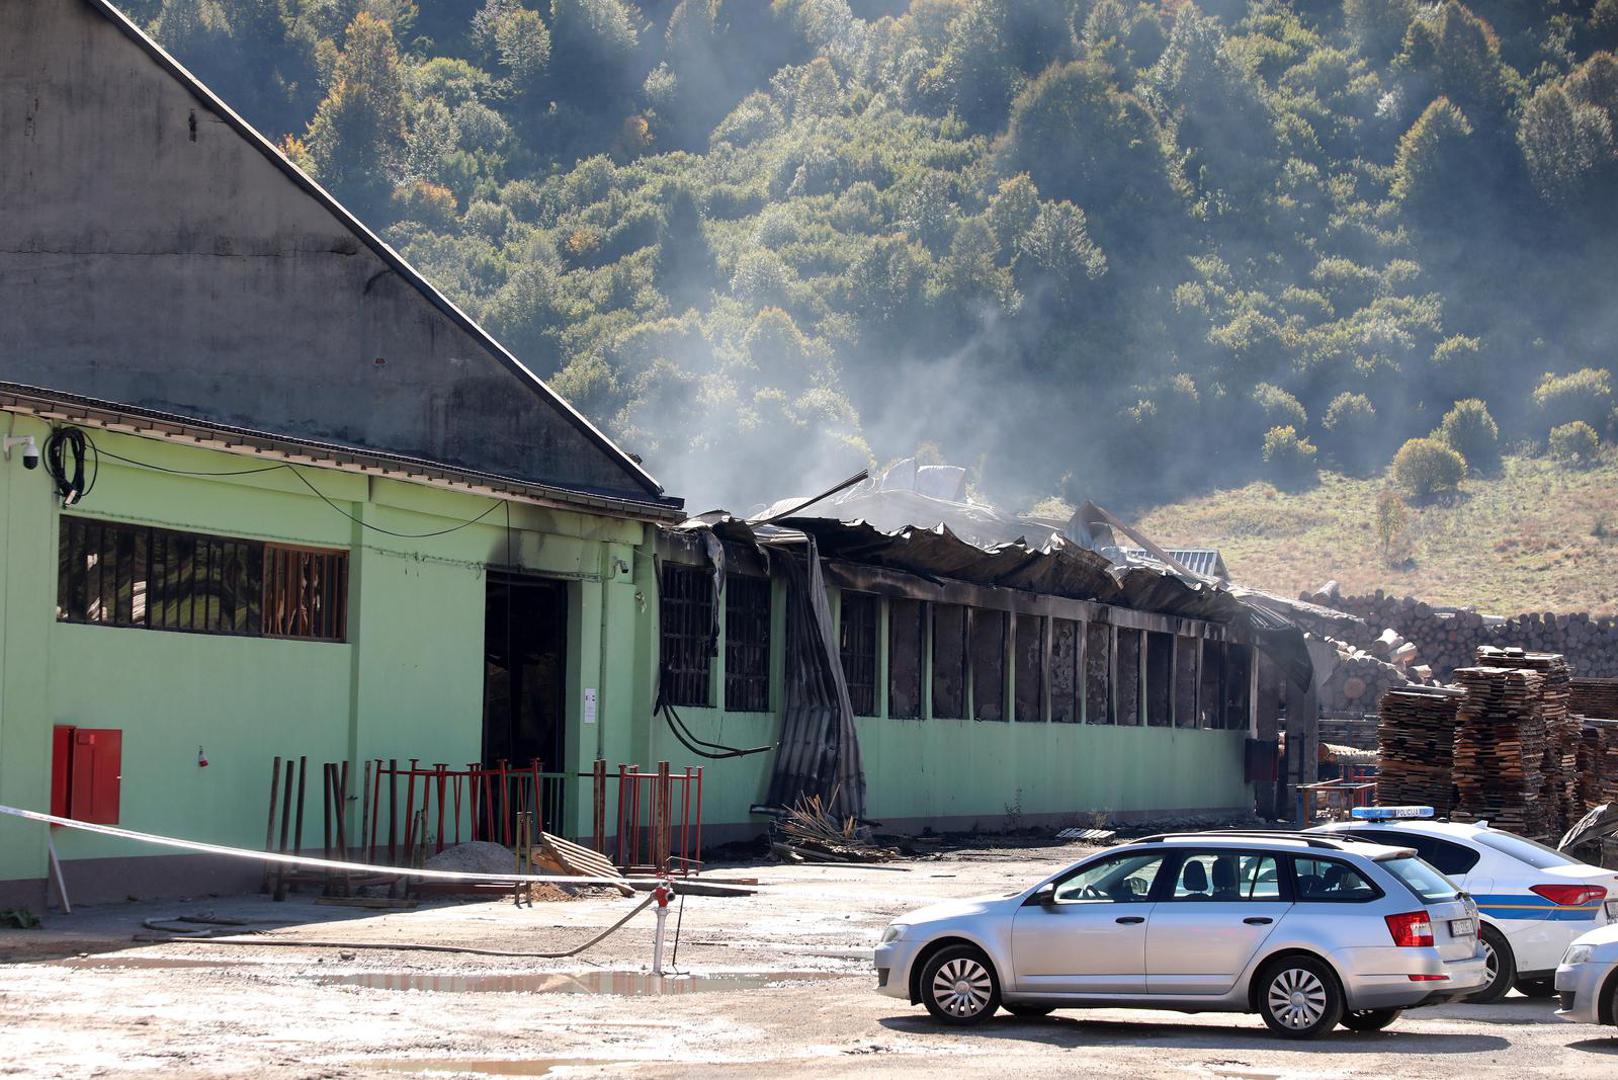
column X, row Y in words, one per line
column 1357, row 683
column 1563, row 803
column 1594, row 698
column 1416, row 744
column 1500, row 746
column 1446, row 638
column 809, row 833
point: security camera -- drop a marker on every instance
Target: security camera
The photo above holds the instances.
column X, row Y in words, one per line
column 30, row 450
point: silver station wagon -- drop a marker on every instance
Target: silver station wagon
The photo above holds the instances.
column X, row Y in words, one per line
column 1307, row 931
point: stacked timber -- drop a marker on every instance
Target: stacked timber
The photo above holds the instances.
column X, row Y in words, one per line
column 1563, row 802
column 1416, row 744
column 1500, row 744
column 1598, row 767
column 1594, row 698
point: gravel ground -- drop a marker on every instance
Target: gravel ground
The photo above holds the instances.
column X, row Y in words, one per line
column 783, row 986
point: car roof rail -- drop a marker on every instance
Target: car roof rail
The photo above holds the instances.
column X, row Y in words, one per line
column 1247, row 834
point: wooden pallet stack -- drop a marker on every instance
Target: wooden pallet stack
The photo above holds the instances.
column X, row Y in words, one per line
column 1594, row 698
column 1564, row 803
column 1500, row 746
column 1416, row 748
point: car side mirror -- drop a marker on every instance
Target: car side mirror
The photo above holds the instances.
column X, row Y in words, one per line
column 1045, row 895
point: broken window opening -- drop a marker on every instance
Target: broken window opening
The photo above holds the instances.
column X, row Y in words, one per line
column 1097, row 673
column 1186, row 652
column 686, row 608
column 1066, row 703
column 949, row 661
column 747, row 643
column 906, row 620
column 1128, row 685
column 1211, row 700
column 1238, row 686
column 1159, row 679
column 1030, row 668
column 857, row 645
column 988, row 665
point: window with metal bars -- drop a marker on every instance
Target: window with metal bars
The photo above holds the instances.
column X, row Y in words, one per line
column 747, row 643
column 117, row 574
column 687, row 614
column 858, row 648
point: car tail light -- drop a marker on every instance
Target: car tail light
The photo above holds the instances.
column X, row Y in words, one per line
column 1412, row 930
column 1570, row 895
column 1429, row 978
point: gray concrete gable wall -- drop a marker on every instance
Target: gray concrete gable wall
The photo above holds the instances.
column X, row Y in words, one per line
column 152, row 254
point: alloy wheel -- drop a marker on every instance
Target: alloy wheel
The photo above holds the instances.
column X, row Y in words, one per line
column 1297, row 998
column 962, row 987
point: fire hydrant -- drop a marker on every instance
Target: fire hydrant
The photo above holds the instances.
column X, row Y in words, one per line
column 662, row 892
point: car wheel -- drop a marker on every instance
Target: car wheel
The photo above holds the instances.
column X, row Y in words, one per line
column 1370, row 1019
column 1500, row 965
column 1543, row 987
column 958, row 986
column 1299, row 998
column 1028, row 1012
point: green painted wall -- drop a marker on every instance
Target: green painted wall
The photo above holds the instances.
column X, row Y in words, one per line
column 957, row 772
column 408, row 683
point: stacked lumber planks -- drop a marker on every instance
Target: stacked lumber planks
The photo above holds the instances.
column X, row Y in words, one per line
column 1416, row 747
column 1594, row 698
column 1598, row 774
column 1562, row 801
column 1500, row 748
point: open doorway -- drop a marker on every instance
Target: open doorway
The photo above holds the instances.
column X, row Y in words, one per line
column 525, row 675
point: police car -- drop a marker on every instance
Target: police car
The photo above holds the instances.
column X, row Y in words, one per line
column 1533, row 900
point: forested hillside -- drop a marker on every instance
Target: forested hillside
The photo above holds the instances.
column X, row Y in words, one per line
column 1094, row 248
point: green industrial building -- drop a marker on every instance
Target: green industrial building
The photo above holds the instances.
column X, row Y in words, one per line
column 293, row 502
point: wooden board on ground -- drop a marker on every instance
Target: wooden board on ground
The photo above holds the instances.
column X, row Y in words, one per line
column 565, row 857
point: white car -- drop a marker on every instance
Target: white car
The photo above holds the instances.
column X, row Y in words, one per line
column 1307, row 931
column 1587, row 980
column 1534, row 900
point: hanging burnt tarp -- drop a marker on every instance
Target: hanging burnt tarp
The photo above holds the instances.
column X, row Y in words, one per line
column 819, row 750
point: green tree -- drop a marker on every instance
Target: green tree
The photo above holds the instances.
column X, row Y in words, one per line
column 1449, row 52
column 1470, row 431
column 592, row 42
column 1584, row 395
column 1575, row 443
column 1378, row 27
column 1427, row 467
column 1435, row 160
column 1057, row 251
column 1351, row 424
column 357, row 137
column 1012, row 211
column 1289, row 456
column 1390, row 519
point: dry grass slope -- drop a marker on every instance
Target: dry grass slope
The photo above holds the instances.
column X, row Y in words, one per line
column 1535, row 537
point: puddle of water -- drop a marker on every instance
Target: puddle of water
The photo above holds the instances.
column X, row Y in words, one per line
column 490, row 1067
column 620, row 983
column 142, row 962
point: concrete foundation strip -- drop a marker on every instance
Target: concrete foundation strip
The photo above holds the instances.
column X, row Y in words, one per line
column 306, row 860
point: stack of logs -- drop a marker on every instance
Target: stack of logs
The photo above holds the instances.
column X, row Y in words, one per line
column 1446, row 639
column 1500, row 747
column 1416, row 744
column 1594, row 698
column 1358, row 682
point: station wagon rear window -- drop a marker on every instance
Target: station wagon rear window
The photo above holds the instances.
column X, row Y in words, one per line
column 1538, row 856
column 1427, row 883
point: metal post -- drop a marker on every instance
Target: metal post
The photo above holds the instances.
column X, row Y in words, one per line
column 297, row 828
column 393, row 811
column 443, row 784
column 599, row 800
column 269, row 829
column 661, row 892
column 365, row 814
column 286, row 823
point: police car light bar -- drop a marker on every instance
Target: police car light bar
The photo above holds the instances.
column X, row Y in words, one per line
column 1385, row 813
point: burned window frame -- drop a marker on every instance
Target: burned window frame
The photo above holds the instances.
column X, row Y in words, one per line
column 685, row 612
column 950, row 671
column 1128, row 688
column 986, row 640
column 747, row 642
column 1187, row 673
column 1029, row 661
column 1065, row 664
column 858, row 648
column 190, row 582
column 900, row 621
column 1096, row 668
column 1158, row 689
